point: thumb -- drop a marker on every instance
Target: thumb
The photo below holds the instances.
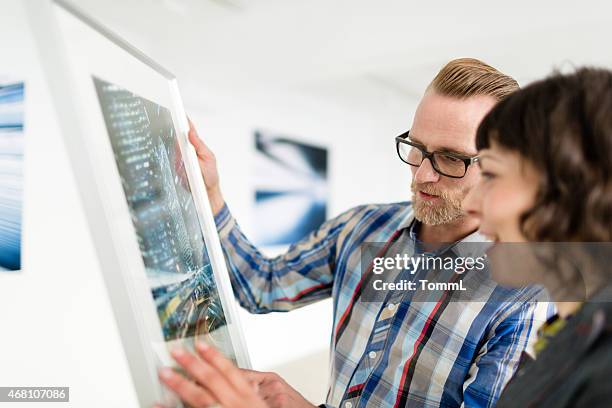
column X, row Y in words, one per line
column 195, row 140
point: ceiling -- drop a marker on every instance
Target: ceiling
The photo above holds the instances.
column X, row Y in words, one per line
column 356, row 53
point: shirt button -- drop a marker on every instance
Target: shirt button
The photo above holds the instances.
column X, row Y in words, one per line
column 372, row 355
column 391, row 306
column 348, row 404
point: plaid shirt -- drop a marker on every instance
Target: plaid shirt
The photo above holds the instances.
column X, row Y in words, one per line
column 399, row 352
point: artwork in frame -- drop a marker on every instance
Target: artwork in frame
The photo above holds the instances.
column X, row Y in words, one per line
column 164, row 216
column 291, row 189
column 11, row 173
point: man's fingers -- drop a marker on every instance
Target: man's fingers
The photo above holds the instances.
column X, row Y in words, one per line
column 199, row 145
column 185, row 389
column 192, row 129
column 257, row 376
column 207, row 376
column 271, row 388
column 279, row 401
column 224, row 366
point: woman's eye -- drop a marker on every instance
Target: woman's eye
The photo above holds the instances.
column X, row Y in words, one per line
column 487, row 175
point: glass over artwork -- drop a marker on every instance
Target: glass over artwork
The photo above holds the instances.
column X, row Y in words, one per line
column 164, row 216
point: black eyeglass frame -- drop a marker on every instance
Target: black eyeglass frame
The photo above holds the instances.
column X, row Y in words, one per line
column 467, row 160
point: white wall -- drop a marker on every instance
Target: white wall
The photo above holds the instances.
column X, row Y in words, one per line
column 58, row 325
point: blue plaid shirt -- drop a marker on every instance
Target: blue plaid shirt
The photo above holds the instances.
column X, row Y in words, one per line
column 400, row 352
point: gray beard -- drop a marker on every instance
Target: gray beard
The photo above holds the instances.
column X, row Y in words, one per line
column 436, row 214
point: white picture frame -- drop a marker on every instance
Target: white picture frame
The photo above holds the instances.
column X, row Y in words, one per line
column 74, row 49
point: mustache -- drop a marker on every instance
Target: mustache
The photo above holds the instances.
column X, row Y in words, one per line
column 427, row 188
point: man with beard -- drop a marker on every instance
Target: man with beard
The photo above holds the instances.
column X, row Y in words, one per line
column 409, row 348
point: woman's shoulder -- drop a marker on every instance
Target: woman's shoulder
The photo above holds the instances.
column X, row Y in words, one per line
column 576, row 365
column 593, row 368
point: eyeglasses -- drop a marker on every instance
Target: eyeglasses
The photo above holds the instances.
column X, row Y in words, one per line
column 447, row 164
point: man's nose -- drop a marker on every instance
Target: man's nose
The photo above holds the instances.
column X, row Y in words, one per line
column 425, row 173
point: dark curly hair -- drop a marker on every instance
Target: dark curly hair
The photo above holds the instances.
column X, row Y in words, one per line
column 561, row 125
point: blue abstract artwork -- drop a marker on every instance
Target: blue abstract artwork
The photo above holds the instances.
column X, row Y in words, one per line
column 11, row 174
column 291, row 189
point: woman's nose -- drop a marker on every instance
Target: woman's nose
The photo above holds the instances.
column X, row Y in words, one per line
column 472, row 202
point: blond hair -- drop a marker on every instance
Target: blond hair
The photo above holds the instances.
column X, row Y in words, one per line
column 465, row 77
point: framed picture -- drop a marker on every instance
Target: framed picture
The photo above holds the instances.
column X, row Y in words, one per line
column 11, row 173
column 291, row 189
column 126, row 133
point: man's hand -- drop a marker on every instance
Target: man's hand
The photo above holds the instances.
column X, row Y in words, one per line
column 216, row 381
column 208, row 167
column 275, row 391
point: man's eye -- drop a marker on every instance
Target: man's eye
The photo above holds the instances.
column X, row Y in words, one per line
column 451, row 159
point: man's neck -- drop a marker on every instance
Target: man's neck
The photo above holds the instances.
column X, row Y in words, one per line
column 451, row 232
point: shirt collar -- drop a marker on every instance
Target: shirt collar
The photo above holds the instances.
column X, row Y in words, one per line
column 413, row 226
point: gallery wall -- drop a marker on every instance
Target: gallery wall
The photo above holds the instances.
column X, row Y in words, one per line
column 58, row 325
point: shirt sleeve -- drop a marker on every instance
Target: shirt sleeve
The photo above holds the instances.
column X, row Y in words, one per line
column 302, row 275
column 501, row 354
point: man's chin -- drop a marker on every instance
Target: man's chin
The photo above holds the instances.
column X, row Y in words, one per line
column 433, row 214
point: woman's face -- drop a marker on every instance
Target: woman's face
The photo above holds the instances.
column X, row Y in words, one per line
column 507, row 189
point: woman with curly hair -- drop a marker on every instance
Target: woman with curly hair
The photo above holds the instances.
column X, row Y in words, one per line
column 546, row 159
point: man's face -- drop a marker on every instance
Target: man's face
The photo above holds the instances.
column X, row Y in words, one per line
column 448, row 124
